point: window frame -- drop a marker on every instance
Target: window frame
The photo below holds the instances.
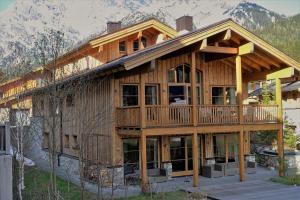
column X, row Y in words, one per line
column 125, row 47
column 138, row 45
column 157, row 94
column 224, row 95
column 122, row 94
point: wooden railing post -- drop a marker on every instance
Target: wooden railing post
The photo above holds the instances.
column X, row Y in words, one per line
column 239, row 86
column 280, row 144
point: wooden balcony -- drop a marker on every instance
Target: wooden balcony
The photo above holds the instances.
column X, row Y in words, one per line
column 181, row 115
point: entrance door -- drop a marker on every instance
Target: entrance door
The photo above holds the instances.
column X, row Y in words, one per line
column 181, row 155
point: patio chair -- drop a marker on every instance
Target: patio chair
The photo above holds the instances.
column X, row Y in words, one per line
column 212, row 171
column 231, row 168
column 250, row 167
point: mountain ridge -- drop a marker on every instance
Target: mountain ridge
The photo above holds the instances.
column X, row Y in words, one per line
column 20, row 24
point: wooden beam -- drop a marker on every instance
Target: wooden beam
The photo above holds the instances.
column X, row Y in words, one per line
column 227, row 35
column 280, row 147
column 145, row 185
column 232, row 64
column 239, row 86
column 203, row 44
column 251, row 64
column 246, row 49
column 241, row 155
column 259, row 61
column 142, row 100
column 284, row 73
column 225, row 50
column 195, row 160
column 266, row 58
column 226, row 148
column 193, row 88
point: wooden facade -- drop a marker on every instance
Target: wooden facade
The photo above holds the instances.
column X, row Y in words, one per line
column 178, row 96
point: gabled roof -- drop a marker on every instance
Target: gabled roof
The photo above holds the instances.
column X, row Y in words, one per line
column 150, row 53
column 106, row 38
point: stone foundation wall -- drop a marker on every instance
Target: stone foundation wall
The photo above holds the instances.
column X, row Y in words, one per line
column 66, row 166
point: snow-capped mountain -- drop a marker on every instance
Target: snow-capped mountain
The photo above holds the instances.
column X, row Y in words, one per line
column 81, row 19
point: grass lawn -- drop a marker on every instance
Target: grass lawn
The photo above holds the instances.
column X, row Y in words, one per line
column 37, row 182
column 288, row 180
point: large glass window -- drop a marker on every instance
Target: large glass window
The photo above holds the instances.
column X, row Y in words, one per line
column 223, row 95
column 180, row 74
column 177, row 95
column 130, row 95
column 217, row 96
column 152, row 153
column 131, row 155
column 151, row 94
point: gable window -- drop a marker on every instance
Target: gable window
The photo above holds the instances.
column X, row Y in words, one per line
column 223, row 95
column 136, row 45
column 130, row 95
column 180, row 74
column 70, row 100
column 122, row 46
column 151, row 94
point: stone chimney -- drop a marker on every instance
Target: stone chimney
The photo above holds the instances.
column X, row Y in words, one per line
column 184, row 24
column 113, row 26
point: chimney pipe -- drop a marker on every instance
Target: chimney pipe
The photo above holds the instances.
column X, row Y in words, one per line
column 184, row 24
column 113, row 26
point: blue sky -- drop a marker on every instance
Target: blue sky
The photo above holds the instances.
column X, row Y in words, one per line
column 286, row 7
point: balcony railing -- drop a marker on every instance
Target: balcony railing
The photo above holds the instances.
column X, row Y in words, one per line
column 168, row 115
column 216, row 114
column 181, row 115
column 254, row 114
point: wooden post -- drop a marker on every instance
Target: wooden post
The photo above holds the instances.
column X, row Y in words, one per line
column 193, row 87
column 226, row 148
column 145, row 185
column 195, row 160
column 239, row 86
column 142, row 101
column 280, row 145
column 195, row 121
column 241, row 155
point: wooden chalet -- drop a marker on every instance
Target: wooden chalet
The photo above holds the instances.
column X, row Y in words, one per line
column 168, row 97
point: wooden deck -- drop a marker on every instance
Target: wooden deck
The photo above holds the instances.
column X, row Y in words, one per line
column 181, row 115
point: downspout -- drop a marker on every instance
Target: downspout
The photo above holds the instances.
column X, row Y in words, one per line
column 60, row 132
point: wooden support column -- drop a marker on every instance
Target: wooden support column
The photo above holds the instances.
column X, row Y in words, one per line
column 193, row 87
column 280, row 145
column 144, row 175
column 195, row 135
column 239, row 86
column 241, row 155
column 226, row 148
column 143, row 145
column 195, row 160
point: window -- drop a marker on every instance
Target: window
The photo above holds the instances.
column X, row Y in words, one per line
column 42, row 105
column 75, row 142
column 130, row 95
column 144, row 42
column 122, row 46
column 179, row 79
column 70, row 100
column 67, row 141
column 45, row 140
column 151, row 94
column 136, row 45
column 217, row 96
column 223, row 96
column 180, row 74
column 177, row 95
column 131, row 155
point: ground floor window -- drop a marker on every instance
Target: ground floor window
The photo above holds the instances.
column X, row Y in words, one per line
column 131, row 155
column 181, row 153
column 223, row 143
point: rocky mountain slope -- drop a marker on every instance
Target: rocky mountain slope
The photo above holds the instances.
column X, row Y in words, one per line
column 78, row 20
